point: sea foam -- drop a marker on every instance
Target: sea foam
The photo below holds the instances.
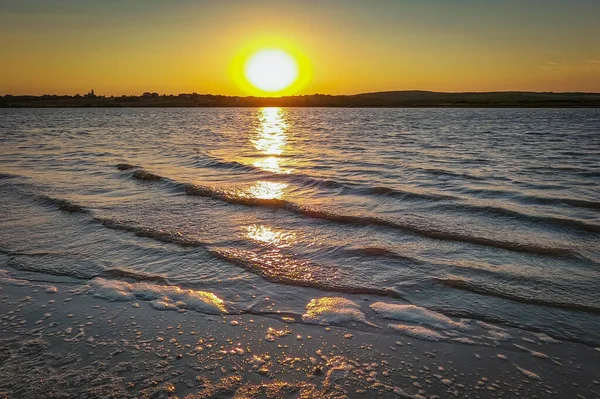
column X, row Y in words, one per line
column 161, row 297
column 417, row 315
column 418, row 332
column 333, row 310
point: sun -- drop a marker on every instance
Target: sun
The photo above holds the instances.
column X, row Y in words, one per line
column 271, row 70
column 270, row 66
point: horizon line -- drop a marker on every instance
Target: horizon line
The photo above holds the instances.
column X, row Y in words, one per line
column 304, row 95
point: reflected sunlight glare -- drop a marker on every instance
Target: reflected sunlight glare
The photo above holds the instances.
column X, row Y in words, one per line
column 271, row 164
column 267, row 190
column 271, row 139
column 267, row 235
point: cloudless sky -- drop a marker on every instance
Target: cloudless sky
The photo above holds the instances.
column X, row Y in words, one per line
column 174, row 46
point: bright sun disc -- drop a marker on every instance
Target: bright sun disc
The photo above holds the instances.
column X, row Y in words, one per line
column 271, row 70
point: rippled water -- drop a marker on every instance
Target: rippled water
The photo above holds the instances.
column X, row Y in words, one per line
column 491, row 214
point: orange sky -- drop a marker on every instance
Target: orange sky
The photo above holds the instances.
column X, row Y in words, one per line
column 348, row 46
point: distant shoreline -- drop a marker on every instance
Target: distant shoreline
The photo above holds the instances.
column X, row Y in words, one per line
column 390, row 99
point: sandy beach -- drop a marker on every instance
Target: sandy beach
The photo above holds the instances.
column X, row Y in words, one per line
column 60, row 340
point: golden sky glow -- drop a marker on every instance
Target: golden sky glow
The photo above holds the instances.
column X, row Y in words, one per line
column 341, row 47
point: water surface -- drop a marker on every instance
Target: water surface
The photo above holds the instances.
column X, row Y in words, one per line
column 491, row 214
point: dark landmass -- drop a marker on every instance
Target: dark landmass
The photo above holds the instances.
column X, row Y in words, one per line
column 379, row 99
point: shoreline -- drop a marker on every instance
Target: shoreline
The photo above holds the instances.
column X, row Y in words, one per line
column 60, row 340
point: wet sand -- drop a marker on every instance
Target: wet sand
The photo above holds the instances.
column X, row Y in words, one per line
column 59, row 341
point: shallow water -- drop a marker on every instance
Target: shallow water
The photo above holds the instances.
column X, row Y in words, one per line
column 489, row 214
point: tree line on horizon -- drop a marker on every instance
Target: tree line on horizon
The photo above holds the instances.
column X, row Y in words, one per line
column 413, row 98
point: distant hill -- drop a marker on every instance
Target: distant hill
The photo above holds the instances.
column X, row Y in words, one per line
column 409, row 98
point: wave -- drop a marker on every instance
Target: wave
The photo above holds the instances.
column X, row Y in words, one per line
column 298, row 178
column 466, row 285
column 311, row 181
column 393, row 192
column 119, row 273
column 572, row 170
column 532, row 199
column 444, row 172
column 134, row 275
column 170, row 237
column 550, row 220
column 308, row 181
column 234, row 198
column 230, row 197
column 125, row 166
column 60, row 269
column 278, row 268
column 63, row 204
column 8, row 176
column 273, row 264
column 234, row 165
column 407, row 227
column 371, row 220
column 578, row 203
column 30, row 254
column 141, row 174
column 381, row 252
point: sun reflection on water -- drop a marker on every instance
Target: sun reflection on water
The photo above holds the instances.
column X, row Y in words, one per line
column 271, row 139
column 271, row 164
column 267, row 235
column 267, row 190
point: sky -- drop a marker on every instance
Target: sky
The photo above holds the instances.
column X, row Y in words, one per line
column 128, row 47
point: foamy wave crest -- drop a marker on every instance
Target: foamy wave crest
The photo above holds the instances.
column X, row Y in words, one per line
column 7, row 279
column 161, row 297
column 333, row 310
column 418, row 332
column 417, row 315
